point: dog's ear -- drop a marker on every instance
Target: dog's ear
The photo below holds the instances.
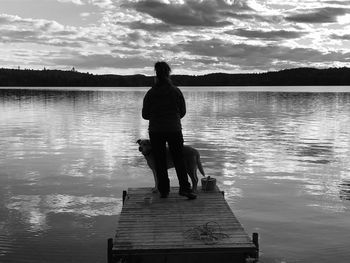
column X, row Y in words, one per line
column 138, row 141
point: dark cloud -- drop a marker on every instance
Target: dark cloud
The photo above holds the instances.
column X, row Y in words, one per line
column 252, row 15
column 127, row 52
column 36, row 37
column 137, row 40
column 18, row 35
column 207, row 13
column 132, row 40
column 134, row 36
column 156, row 27
column 337, row 2
column 341, row 37
column 238, row 5
column 266, row 35
column 64, row 33
column 236, row 15
column 63, row 43
column 262, row 57
column 321, row 15
column 3, row 20
column 95, row 61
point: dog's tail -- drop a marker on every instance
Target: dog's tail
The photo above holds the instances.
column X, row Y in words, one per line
column 200, row 167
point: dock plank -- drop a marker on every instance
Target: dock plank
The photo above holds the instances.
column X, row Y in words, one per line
column 161, row 226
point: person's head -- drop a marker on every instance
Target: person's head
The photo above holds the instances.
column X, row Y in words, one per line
column 162, row 71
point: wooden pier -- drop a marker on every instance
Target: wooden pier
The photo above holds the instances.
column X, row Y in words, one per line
column 174, row 229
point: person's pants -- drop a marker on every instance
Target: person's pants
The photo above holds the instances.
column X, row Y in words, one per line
column 175, row 143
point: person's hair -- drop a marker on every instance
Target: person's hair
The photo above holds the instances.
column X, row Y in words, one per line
column 162, row 70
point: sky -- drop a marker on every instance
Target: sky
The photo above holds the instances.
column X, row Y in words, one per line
column 195, row 37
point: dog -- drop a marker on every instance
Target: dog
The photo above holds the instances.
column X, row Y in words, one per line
column 191, row 157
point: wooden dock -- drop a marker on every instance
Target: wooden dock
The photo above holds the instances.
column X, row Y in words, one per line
column 174, row 229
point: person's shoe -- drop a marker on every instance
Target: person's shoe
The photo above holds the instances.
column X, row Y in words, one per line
column 190, row 195
column 164, row 195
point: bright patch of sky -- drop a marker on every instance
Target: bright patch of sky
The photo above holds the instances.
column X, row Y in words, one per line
column 194, row 36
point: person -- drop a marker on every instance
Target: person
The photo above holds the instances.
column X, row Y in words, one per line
column 164, row 106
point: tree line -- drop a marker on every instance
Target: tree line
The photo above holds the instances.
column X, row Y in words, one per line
column 73, row 78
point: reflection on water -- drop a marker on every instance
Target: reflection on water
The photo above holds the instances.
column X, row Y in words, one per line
column 34, row 208
column 345, row 190
column 65, row 157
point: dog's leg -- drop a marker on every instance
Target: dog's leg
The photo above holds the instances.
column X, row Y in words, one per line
column 155, row 189
column 192, row 172
column 195, row 181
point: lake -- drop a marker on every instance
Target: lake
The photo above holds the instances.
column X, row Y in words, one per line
column 281, row 154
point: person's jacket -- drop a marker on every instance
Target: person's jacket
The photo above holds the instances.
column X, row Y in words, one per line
column 164, row 106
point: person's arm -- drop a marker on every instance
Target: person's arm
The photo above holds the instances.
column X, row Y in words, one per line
column 146, row 112
column 182, row 105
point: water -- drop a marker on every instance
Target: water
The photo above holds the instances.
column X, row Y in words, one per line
column 282, row 159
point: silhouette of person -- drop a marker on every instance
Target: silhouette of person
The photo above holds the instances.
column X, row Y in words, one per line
column 164, row 106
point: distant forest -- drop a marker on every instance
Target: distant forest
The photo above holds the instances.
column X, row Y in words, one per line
column 73, row 78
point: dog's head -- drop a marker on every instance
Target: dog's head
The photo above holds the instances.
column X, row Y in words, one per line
column 144, row 146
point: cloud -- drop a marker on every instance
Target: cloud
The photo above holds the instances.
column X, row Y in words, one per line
column 151, row 27
column 125, row 35
column 28, row 36
column 11, row 36
column 260, row 57
column 95, row 61
column 77, row 2
column 155, row 16
column 238, row 5
column 207, row 13
column 266, row 35
column 15, row 29
column 100, row 3
column 321, row 15
column 105, row 4
column 18, row 23
column 340, row 2
column 340, row 37
column 85, row 14
column 236, row 15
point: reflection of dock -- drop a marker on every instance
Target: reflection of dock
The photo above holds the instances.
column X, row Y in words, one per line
column 152, row 229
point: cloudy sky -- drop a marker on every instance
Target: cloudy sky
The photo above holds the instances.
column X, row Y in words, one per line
column 194, row 36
